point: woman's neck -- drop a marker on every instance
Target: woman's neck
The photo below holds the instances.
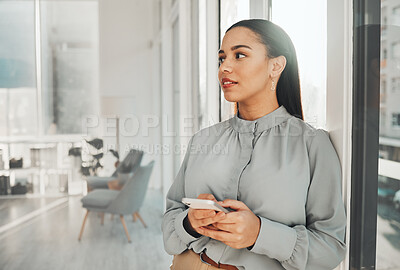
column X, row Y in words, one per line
column 259, row 109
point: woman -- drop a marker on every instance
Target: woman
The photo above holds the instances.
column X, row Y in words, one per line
column 280, row 175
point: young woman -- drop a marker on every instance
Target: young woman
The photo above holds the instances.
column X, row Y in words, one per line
column 280, row 175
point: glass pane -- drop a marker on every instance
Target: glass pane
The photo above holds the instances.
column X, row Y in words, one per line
column 17, row 69
column 231, row 11
column 17, row 44
column 175, row 72
column 202, row 95
column 22, row 112
column 3, row 114
column 69, row 37
column 388, row 220
column 306, row 24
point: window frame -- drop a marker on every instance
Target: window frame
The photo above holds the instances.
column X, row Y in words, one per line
column 365, row 135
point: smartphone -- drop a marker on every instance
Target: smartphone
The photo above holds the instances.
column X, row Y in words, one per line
column 204, row 204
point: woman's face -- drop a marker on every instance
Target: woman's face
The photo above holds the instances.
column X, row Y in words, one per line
column 244, row 73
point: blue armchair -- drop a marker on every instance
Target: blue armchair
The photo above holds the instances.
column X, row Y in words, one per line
column 128, row 166
column 127, row 201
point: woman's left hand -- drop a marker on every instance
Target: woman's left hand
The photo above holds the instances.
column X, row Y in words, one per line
column 239, row 229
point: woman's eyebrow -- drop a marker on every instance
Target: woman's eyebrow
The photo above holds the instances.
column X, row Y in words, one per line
column 235, row 48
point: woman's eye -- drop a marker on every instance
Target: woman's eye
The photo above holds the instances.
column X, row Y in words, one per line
column 240, row 55
column 221, row 60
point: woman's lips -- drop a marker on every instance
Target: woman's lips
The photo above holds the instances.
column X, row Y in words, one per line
column 227, row 83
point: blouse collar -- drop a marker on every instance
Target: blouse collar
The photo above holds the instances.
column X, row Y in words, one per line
column 261, row 124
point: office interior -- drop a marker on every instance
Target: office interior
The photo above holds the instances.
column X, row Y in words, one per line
column 83, row 83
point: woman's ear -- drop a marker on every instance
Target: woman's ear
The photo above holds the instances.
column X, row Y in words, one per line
column 278, row 64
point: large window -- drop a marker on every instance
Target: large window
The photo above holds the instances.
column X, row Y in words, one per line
column 176, row 91
column 69, row 42
column 204, row 33
column 202, row 67
column 232, row 11
column 48, row 66
column 306, row 24
column 17, row 69
column 388, row 219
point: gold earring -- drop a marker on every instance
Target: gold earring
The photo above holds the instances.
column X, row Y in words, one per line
column 273, row 85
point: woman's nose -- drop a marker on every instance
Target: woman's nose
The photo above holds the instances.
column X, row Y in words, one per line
column 226, row 67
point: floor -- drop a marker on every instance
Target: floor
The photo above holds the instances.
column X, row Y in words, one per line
column 13, row 208
column 49, row 240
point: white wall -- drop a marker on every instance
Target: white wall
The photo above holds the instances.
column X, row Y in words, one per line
column 125, row 48
column 339, row 94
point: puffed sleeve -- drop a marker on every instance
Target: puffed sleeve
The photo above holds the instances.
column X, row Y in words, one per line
column 318, row 245
column 176, row 238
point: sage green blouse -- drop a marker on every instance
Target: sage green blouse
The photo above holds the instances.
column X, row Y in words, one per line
column 285, row 171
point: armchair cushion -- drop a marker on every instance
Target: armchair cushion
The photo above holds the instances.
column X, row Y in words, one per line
column 95, row 182
column 99, row 198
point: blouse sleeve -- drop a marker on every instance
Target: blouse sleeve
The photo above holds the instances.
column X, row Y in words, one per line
column 176, row 238
column 320, row 243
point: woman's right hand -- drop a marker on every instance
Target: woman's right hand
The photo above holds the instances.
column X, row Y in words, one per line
column 204, row 217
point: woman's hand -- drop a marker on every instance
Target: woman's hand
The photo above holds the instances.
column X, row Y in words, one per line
column 204, row 218
column 238, row 229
